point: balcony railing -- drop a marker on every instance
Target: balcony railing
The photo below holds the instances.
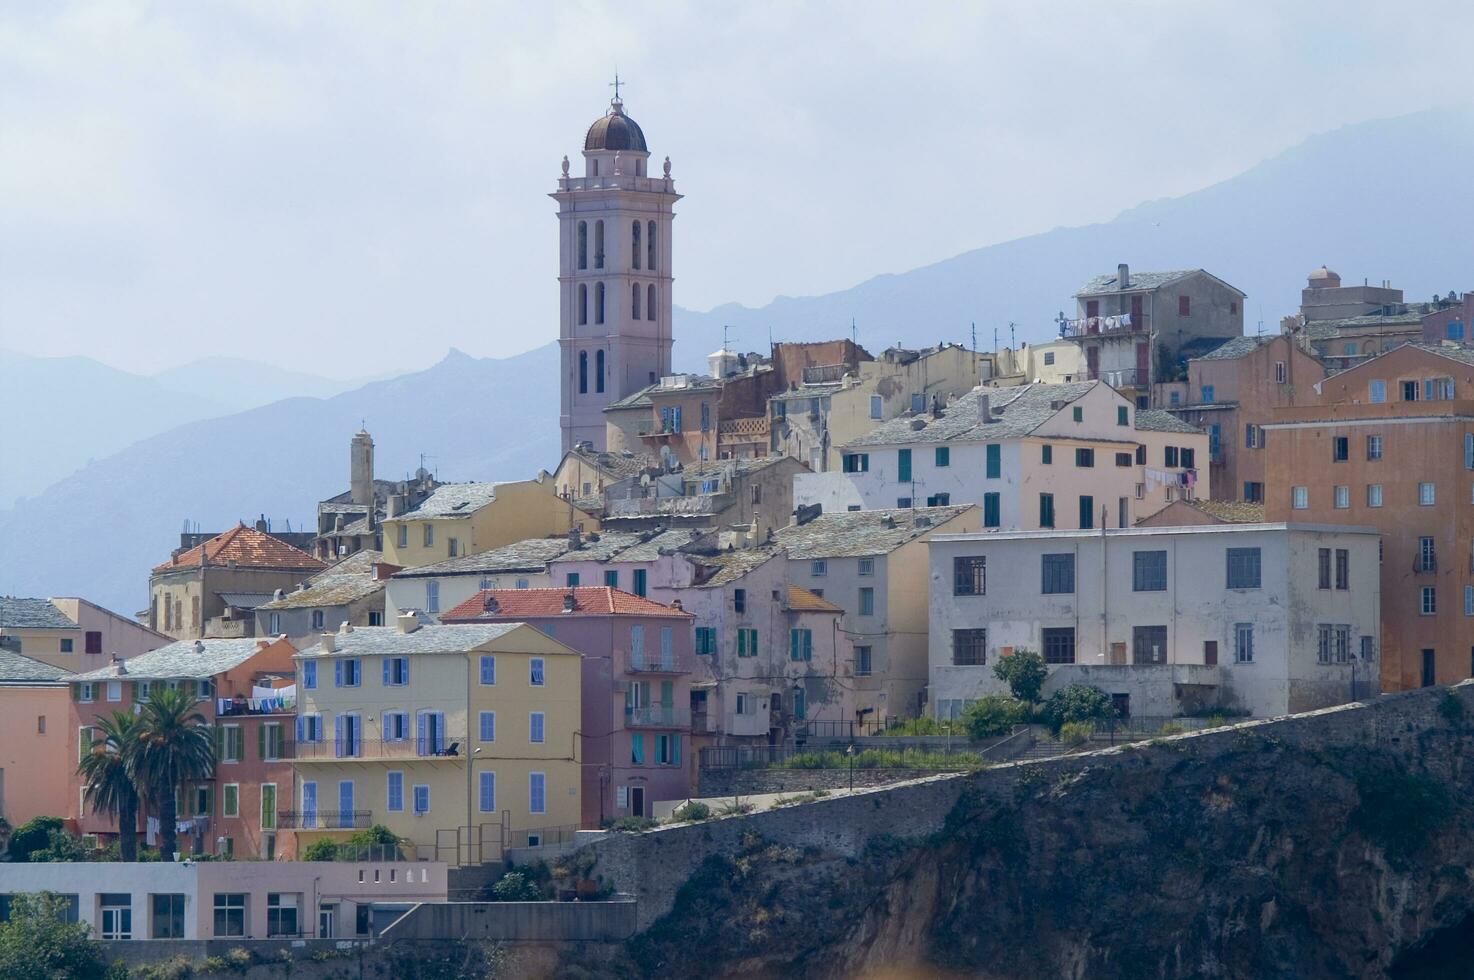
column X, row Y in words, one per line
column 1094, row 326
column 746, row 429
column 324, row 819
column 244, row 707
column 657, row 716
column 825, row 373
column 451, row 747
column 658, row 665
column 655, row 427
column 1124, row 378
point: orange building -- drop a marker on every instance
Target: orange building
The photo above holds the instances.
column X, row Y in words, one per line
column 34, row 744
column 1389, row 443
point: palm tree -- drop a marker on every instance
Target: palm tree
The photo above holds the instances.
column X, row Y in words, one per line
column 175, row 746
column 104, row 772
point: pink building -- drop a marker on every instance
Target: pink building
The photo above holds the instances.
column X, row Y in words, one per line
column 637, row 662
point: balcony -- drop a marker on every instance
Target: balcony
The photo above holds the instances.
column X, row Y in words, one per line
column 1102, row 326
column 659, row 665
column 249, row 707
column 748, row 429
column 451, row 748
column 655, row 429
column 657, row 716
column 1125, row 378
column 324, row 819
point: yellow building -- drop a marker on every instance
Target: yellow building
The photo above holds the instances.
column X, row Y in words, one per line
column 469, row 518
column 459, row 739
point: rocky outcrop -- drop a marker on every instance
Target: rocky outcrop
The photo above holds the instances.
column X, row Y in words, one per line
column 1329, row 844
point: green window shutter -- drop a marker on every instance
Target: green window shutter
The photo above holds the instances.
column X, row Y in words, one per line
column 76, row 691
column 219, row 742
column 134, row 694
column 742, row 643
column 808, row 645
column 260, row 741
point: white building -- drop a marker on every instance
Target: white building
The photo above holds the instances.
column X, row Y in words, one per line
column 1268, row 618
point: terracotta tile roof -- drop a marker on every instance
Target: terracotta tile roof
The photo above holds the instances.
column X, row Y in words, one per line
column 1231, row 511
column 802, row 600
column 248, row 548
column 537, row 603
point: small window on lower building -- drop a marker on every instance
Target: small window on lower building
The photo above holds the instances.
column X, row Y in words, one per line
column 1059, row 644
column 863, row 663
column 166, row 915
column 230, row 914
column 969, row 647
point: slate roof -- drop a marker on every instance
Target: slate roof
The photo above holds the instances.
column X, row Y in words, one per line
column 543, row 603
column 1234, row 348
column 180, row 660
column 1159, row 420
column 1331, row 329
column 1024, row 409
column 738, row 467
column 731, row 565
column 1139, row 281
column 810, row 391
column 862, row 533
column 348, row 581
column 248, row 548
column 618, row 464
column 17, row 613
column 635, row 399
column 368, row 641
column 451, row 500
column 802, row 600
column 16, row 669
column 531, row 555
column 666, row 541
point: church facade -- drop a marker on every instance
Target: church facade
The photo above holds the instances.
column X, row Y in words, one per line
column 614, row 279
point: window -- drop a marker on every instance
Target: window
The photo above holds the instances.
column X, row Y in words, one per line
column 1427, row 555
column 269, row 741
column 230, row 800
column 599, row 371
column 1299, row 498
column 1149, row 571
column 855, row 463
column 866, row 566
column 230, row 743
column 488, row 669
column 535, row 672
column 309, row 675
column 583, row 376
column 1409, row 391
column 1469, row 450
column 1078, row 413
column 1374, row 447
column 1084, row 457
column 1342, row 497
column 1377, row 392
column 1057, row 574
column 347, row 736
column 800, row 645
column 943, row 456
column 903, row 502
column 993, row 460
column 1123, row 415
column 281, row 914
column 970, row 647
column 1428, row 605
column 1243, row 568
column 268, row 806
column 66, row 646
column 611, row 579
column 1343, row 569
column 970, row 575
column 991, row 510
column 1340, row 449
column 85, row 692
column 1087, row 512
column 115, row 690
column 640, row 576
column 1243, row 643
column 537, row 792
column 1046, row 454
column 429, row 535
column 1469, row 600
column 453, row 547
column 1184, row 306
column 1207, row 395
column 572, row 580
column 903, row 465
column 1426, row 494
column 1281, row 373
column 394, row 793
column 1323, row 568
column 309, row 728
column 1140, row 455
column 706, row 639
column 346, row 673
column 396, row 671
column 486, row 726
column 230, row 914
column 486, row 792
column 404, row 535
column 863, row 656
column 1123, row 459
column 739, row 600
column 432, row 597
column 1059, row 644
column 1048, row 358
column 1169, row 456
column 1046, row 510
column 536, row 727
column 1252, row 436
column 1374, row 495
column 599, row 302
column 875, row 406
column 1149, row 644
column 167, row 916
column 93, row 641
column 420, row 794
column 818, row 569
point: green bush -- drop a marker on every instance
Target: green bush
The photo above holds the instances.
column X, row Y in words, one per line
column 1171, row 728
column 633, row 824
column 993, row 715
column 1077, row 702
column 37, row 942
column 734, row 809
column 321, row 850
column 33, row 835
column 881, row 759
column 1076, row 732
column 924, row 725
column 61, row 846
column 514, row 886
column 1025, row 672
column 377, row 835
column 692, row 810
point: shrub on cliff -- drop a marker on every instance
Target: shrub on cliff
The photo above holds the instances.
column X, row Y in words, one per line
column 1076, row 732
column 1024, row 672
column 38, row 942
column 515, row 886
column 1077, row 702
column 321, row 850
column 993, row 715
column 33, row 835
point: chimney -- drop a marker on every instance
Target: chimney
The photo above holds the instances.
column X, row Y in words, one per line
column 278, row 594
column 261, row 524
column 1123, row 276
column 199, row 647
column 676, row 605
column 568, row 603
column 329, row 643
column 489, row 604
column 262, row 645
column 575, row 537
column 119, row 668
column 345, row 627
column 408, row 623
column 985, row 408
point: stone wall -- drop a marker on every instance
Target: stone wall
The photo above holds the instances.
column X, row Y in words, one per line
column 753, row 782
column 517, row 921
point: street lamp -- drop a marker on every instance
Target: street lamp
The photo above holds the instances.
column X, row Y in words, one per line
column 470, row 826
column 851, row 753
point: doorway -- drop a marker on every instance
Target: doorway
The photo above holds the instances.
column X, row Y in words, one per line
column 327, row 921
column 1428, row 668
column 637, row 801
column 117, row 916
column 1122, row 704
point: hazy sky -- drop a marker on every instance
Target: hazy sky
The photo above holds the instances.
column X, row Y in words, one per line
column 353, row 187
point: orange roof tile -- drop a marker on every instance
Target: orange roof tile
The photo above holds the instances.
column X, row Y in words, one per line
column 502, row 604
column 248, row 548
column 802, row 600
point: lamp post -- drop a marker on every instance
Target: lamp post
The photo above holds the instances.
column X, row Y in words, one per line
column 851, row 753
column 470, row 826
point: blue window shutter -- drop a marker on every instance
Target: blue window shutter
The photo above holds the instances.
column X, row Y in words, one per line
column 404, row 670
column 386, row 670
column 420, row 733
column 439, row 740
column 808, row 645
column 345, row 802
column 338, row 736
column 337, row 673
column 309, row 675
column 299, row 728
column 793, row 644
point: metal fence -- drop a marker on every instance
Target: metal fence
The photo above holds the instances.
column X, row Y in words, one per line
column 449, row 747
column 542, row 836
column 325, row 819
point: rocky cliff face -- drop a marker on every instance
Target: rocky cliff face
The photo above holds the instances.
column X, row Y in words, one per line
column 1322, row 846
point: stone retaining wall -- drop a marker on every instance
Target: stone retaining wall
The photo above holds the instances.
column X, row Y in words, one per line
column 752, row 782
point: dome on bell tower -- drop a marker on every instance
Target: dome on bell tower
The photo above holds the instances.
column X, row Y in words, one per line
column 615, row 131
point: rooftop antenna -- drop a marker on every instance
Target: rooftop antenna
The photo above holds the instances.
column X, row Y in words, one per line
column 854, row 335
column 726, row 327
column 616, row 84
column 1012, row 340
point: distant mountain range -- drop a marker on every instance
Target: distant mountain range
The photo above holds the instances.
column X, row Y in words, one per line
column 1388, row 199
column 98, row 532
column 61, row 412
column 1382, row 200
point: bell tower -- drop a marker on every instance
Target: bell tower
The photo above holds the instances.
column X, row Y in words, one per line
column 614, row 274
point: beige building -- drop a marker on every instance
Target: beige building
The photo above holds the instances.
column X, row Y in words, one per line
column 1054, row 362
column 456, row 738
column 468, row 518
column 352, row 591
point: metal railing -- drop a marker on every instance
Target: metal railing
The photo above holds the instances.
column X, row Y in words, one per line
column 841, row 729
column 228, row 708
column 657, row 716
column 1089, row 326
column 660, row 665
column 324, row 819
column 562, row 834
column 450, row 746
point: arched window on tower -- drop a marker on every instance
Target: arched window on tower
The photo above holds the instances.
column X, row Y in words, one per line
column 650, row 244
column 635, row 301
column 635, row 249
column 583, row 244
column 598, row 244
column 596, row 166
column 650, row 302
column 599, row 371
column 583, row 303
column 599, row 303
column 583, row 372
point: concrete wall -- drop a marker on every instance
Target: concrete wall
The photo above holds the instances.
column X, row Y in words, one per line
column 518, row 921
column 405, row 592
